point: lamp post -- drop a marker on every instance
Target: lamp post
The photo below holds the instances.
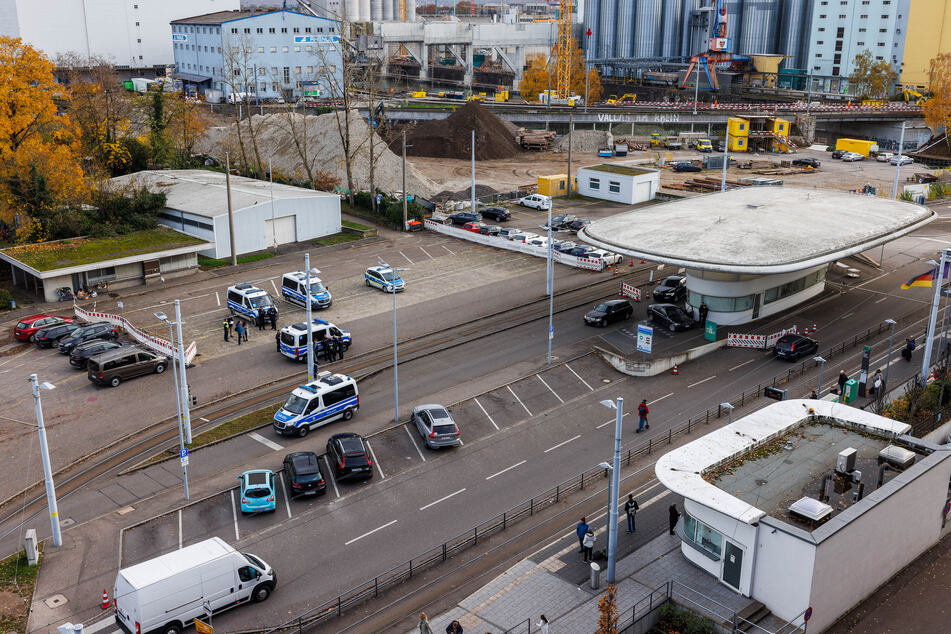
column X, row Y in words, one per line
column 901, row 143
column 45, row 455
column 310, row 321
column 550, row 272
column 178, row 401
column 618, row 407
column 891, row 340
column 822, row 364
column 396, row 382
column 729, row 408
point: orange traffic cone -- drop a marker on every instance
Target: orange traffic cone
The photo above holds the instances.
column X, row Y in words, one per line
column 106, row 603
column 631, row 262
column 814, row 328
column 675, row 370
column 616, row 272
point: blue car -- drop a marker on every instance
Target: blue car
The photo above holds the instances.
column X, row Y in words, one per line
column 258, row 491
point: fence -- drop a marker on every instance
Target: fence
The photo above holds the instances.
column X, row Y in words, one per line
column 156, row 343
column 736, row 340
column 629, row 290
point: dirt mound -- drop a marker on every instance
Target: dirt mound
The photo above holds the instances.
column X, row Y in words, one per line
column 583, row 141
column 464, row 194
column 451, row 137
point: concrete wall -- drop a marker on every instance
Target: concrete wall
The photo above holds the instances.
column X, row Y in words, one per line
column 655, row 366
column 316, row 216
column 783, row 569
column 632, row 187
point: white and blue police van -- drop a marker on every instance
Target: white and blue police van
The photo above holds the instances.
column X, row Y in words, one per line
column 245, row 300
column 325, row 399
column 294, row 289
column 384, row 278
column 294, row 337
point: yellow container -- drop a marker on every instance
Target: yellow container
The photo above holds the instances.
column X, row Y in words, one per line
column 738, row 127
column 860, row 146
column 779, row 126
column 553, row 185
column 738, row 143
column 419, row 94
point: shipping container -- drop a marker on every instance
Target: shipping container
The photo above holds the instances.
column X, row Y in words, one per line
column 860, row 146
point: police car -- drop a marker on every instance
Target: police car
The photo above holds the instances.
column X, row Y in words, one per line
column 325, row 399
column 294, row 289
column 244, row 300
column 294, row 337
column 384, row 278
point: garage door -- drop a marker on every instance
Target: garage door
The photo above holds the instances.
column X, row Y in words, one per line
column 283, row 230
column 643, row 192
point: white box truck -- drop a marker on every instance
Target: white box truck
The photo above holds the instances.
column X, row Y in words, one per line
column 167, row 593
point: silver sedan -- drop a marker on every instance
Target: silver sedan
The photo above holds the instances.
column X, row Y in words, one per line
column 436, row 426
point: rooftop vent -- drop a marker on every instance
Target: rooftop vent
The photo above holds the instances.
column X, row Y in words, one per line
column 898, row 457
column 810, row 509
column 845, row 461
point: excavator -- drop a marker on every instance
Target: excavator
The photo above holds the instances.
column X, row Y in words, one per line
column 718, row 51
column 625, row 100
column 913, row 95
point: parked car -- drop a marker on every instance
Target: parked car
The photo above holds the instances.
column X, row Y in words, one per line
column 851, row 157
column 672, row 289
column 560, row 222
column 474, row 227
column 577, row 225
column 904, row 160
column 807, row 161
column 684, row 166
column 27, row 327
column 258, row 491
column 565, row 246
column 837, row 154
column 498, row 214
column 348, row 454
column 524, row 236
column 792, row 347
column 303, row 473
column 102, row 330
column 885, row 157
column 490, row 230
column 670, row 316
column 509, row 233
column 718, row 146
column 536, row 201
column 85, row 351
column 608, row 257
column 384, row 278
column 541, row 243
column 581, row 251
column 464, row 217
column 49, row 336
column 115, row 366
column 435, row 425
column 606, row 312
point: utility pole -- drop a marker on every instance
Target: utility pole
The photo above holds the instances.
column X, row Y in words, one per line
column 472, row 192
column 270, row 175
column 45, row 455
column 937, row 281
column 901, row 144
column 571, row 127
column 186, row 421
column 234, row 256
column 404, row 182
column 310, row 322
column 726, row 158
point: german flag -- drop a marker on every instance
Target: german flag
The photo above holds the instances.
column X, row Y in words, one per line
column 926, row 279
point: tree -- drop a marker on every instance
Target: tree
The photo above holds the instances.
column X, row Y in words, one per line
column 239, row 74
column 535, row 78
column 937, row 109
column 340, row 87
column 870, row 78
column 607, row 611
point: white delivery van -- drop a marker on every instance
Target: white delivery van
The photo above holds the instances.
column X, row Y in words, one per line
column 167, row 593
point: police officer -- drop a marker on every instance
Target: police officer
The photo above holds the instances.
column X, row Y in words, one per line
column 338, row 340
column 272, row 317
column 224, row 326
column 277, row 340
column 259, row 319
column 330, row 349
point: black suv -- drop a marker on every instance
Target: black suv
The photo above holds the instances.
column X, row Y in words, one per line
column 46, row 337
column 464, row 217
column 85, row 351
column 673, row 289
column 792, row 347
column 671, row 317
column 807, row 161
column 499, row 214
column 561, row 221
column 837, row 154
column 101, row 330
column 611, row 310
column 303, row 472
column 349, row 455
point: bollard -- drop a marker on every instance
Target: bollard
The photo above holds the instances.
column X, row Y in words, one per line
column 595, row 576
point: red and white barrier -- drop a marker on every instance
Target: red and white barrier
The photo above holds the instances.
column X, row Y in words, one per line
column 736, row 340
column 629, row 290
column 155, row 343
column 773, row 338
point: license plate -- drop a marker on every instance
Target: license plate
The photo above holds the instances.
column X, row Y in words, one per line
column 310, row 492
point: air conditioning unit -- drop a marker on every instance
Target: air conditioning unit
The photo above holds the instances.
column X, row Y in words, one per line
column 898, row 457
column 845, row 461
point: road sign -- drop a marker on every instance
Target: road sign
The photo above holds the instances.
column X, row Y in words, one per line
column 645, row 338
column 185, row 461
column 710, row 331
column 551, row 332
column 807, row 614
column 184, row 452
column 203, row 628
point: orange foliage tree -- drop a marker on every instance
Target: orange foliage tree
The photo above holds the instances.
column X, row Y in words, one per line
column 535, row 77
column 607, row 611
column 937, row 109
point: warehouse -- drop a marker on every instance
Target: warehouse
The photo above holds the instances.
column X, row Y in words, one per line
column 618, row 183
column 265, row 215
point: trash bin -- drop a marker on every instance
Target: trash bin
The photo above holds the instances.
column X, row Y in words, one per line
column 595, row 576
column 13, row 304
column 851, row 390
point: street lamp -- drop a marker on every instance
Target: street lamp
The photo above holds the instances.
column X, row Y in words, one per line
column 396, row 382
column 891, row 339
column 729, row 408
column 45, row 454
column 822, row 364
column 178, row 401
column 618, row 407
column 550, row 273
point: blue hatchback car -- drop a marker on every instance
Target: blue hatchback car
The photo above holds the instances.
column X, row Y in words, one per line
column 258, row 491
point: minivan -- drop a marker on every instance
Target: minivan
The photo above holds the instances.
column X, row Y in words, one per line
column 115, row 366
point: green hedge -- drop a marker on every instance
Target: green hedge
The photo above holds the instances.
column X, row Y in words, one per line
column 389, row 212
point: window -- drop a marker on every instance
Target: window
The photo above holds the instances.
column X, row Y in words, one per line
column 299, row 84
column 864, row 16
column 862, row 30
column 702, row 537
column 287, row 74
column 105, row 274
column 247, row 30
column 234, row 30
column 260, row 49
column 297, row 49
column 821, row 29
column 837, row 58
column 841, row 16
column 614, row 187
column 721, row 304
column 274, row 70
column 283, row 49
column 261, row 71
column 860, row 43
column 307, row 29
column 822, row 16
column 883, row 30
column 273, row 49
column 296, row 30
column 819, row 43
column 793, row 287
column 271, row 30
column 283, row 29
column 840, row 32
column 259, row 30
column 137, row 24
column 310, row 70
column 881, row 44
column 309, row 49
column 263, row 87
column 594, row 183
column 835, row 70
column 139, row 40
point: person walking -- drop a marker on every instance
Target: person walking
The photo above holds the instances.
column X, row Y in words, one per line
column 630, row 508
column 272, row 317
column 454, row 628
column 224, row 326
column 642, row 412
column 542, row 624
column 702, row 311
column 581, row 529
column 423, row 625
column 588, row 544
column 277, row 341
column 674, row 516
column 239, row 330
column 876, row 383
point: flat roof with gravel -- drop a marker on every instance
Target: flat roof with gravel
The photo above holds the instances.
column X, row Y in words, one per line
column 757, row 230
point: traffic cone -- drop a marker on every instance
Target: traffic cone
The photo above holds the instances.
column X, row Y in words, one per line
column 631, row 262
column 814, row 328
column 616, row 272
column 106, row 603
column 675, row 372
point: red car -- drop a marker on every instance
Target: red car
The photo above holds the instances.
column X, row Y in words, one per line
column 473, row 226
column 27, row 327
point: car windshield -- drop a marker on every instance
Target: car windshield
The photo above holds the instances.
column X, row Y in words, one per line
column 296, row 404
column 306, row 465
column 260, row 301
column 255, row 561
column 601, row 308
column 677, row 313
column 317, row 287
column 390, row 276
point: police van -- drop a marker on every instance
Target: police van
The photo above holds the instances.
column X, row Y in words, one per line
column 294, row 337
column 384, row 278
column 325, row 399
column 245, row 300
column 294, row 289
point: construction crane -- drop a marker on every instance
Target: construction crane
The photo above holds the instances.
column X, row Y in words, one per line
column 718, row 51
column 562, row 52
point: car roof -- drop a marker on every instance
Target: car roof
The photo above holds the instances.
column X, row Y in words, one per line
column 117, row 352
column 38, row 316
column 300, row 276
column 671, row 278
column 430, row 407
column 257, row 477
column 303, row 459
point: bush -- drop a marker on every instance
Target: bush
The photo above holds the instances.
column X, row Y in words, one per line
column 674, row 619
column 5, row 298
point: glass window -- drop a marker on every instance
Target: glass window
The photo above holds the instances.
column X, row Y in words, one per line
column 614, row 186
column 703, row 536
column 720, row 304
column 594, row 183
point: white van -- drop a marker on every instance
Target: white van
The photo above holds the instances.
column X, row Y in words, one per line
column 293, row 339
column 327, row 398
column 294, row 289
column 244, row 300
column 167, row 593
column 536, row 201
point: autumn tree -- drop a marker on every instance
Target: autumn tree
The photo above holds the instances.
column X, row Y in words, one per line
column 937, row 109
column 239, row 74
column 535, row 79
column 341, row 86
column 184, row 125
column 607, row 611
column 871, row 78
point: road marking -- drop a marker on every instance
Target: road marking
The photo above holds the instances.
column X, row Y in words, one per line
column 879, row 301
column 287, row 500
column 274, row 286
column 560, row 400
column 658, row 400
column 234, row 515
column 179, row 529
column 579, row 377
column 612, row 420
column 407, row 259
column 264, row 441
column 217, row 298
column 370, row 532
column 447, row 249
column 427, row 253
column 847, row 315
column 375, row 461
column 100, row 625
column 703, row 381
column 741, row 365
column 517, row 464
column 442, row 499
column 330, row 474
column 486, row 413
column 413, row 440
column 562, row 444
column 518, row 399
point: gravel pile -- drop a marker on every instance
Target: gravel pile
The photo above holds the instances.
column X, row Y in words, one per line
column 451, row 137
column 583, row 141
column 464, row 194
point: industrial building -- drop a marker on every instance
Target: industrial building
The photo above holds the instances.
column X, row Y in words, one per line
column 257, row 53
column 131, row 34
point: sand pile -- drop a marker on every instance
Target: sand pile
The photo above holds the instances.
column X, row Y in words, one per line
column 451, row 137
column 583, row 141
column 321, row 137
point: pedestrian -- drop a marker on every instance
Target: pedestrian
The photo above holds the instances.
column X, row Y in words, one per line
column 259, row 319
column 703, row 314
column 674, row 516
column 843, row 377
column 277, row 340
column 813, row 396
column 877, row 383
column 542, row 624
column 338, row 344
column 316, row 364
column 423, row 625
column 230, row 323
column 630, row 508
column 239, row 330
column 454, row 628
column 272, row 317
column 642, row 412
column 909, row 348
column 224, row 326
column 588, row 544
column 581, row 529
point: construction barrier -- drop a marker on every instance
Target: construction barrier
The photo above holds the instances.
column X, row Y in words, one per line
column 736, row 340
column 773, row 338
column 155, row 343
column 629, row 290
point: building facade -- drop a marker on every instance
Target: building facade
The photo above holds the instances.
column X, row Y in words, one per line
column 263, row 54
column 620, row 183
column 928, row 34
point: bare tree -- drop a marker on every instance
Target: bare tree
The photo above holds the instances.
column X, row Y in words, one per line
column 239, row 73
column 340, row 87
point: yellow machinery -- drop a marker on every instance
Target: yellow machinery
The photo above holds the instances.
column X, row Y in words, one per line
column 914, row 95
column 564, row 46
column 610, row 101
column 874, row 103
column 479, row 97
column 656, row 140
column 419, row 94
column 628, row 99
column 501, row 94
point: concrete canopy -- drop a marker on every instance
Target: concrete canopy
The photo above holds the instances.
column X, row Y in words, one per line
column 757, row 230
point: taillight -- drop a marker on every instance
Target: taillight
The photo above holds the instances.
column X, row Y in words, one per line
column 296, row 485
column 100, row 375
column 343, row 461
column 792, row 347
column 270, row 498
column 138, row 629
column 320, row 482
column 244, row 500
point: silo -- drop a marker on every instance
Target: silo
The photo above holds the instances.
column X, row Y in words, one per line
column 670, row 28
column 792, row 39
column 352, row 10
column 624, row 29
column 376, row 9
column 690, row 36
column 758, row 34
column 592, row 12
column 410, row 10
column 388, row 11
column 647, row 33
column 606, row 30
column 364, row 11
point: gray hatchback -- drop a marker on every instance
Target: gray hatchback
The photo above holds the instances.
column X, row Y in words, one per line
column 436, row 426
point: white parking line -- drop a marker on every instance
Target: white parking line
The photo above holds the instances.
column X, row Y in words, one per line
column 287, row 500
column 517, row 464
column 518, row 399
column 612, row 420
column 560, row 400
column 407, row 259
column 879, row 301
column 427, row 253
column 276, row 292
column 330, row 474
column 264, row 441
column 100, row 625
column 234, row 515
column 179, row 529
column 447, row 249
column 413, row 440
column 702, row 381
column 562, row 444
column 741, row 365
column 486, row 414
column 442, row 499
column 579, row 377
column 218, row 298
column 370, row 532
column 375, row 461
column 846, row 315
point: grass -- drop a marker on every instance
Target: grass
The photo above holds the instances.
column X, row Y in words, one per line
column 212, row 263
column 21, row 585
column 355, row 225
column 47, row 256
column 337, row 238
column 232, row 427
column 618, row 169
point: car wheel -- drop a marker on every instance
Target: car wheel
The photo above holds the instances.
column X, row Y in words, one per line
column 628, row 314
column 115, row 381
column 347, row 414
column 261, row 593
column 302, row 431
column 160, row 368
column 172, row 628
column 33, row 338
column 603, row 323
column 368, row 282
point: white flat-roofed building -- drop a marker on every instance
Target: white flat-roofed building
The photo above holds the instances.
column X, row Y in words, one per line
column 619, row 183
